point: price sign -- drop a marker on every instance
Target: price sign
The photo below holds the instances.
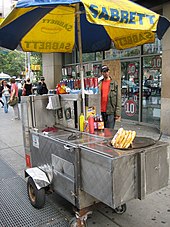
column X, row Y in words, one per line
column 130, row 108
column 157, row 62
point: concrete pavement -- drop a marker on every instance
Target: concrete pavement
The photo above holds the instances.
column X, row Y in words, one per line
column 153, row 211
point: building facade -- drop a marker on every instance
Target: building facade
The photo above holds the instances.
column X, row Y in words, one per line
column 5, row 7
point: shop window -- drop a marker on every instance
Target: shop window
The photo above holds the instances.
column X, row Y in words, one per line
column 89, row 57
column 151, row 104
column 117, row 54
column 130, row 90
column 153, row 48
column 99, row 56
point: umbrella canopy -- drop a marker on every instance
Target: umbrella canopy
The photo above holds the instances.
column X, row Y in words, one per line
column 49, row 25
column 4, row 76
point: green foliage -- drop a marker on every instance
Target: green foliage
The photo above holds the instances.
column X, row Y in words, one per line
column 36, row 59
column 12, row 62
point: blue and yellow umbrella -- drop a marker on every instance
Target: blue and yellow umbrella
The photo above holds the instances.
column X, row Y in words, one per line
column 90, row 25
column 49, row 25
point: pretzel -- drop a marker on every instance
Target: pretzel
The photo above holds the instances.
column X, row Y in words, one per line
column 123, row 138
column 118, row 137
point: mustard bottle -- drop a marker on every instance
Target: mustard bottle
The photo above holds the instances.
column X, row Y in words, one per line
column 81, row 122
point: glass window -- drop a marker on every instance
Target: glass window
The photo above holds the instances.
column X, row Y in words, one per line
column 153, row 48
column 88, row 57
column 130, row 90
column 151, row 98
column 99, row 56
column 117, row 54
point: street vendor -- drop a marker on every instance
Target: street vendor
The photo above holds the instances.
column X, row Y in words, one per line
column 110, row 99
column 42, row 87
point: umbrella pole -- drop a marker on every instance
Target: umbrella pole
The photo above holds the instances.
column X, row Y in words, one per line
column 80, row 55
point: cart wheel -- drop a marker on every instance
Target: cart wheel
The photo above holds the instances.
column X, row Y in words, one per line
column 73, row 223
column 120, row 209
column 36, row 197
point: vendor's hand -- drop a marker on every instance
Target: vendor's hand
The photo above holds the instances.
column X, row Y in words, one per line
column 117, row 118
column 10, row 99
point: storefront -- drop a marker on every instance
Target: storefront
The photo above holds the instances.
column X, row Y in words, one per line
column 141, row 69
column 140, row 79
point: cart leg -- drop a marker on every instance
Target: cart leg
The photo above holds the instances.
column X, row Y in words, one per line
column 81, row 217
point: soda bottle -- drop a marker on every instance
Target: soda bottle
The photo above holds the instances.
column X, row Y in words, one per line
column 100, row 123
column 71, row 84
column 86, row 83
column 96, row 89
column 95, row 122
column 91, row 84
column 79, row 84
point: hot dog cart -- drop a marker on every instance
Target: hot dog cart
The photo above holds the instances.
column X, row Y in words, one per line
column 81, row 167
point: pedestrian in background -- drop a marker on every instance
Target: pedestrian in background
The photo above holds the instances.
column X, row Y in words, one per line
column 42, row 87
column 14, row 93
column 5, row 95
column 1, row 87
column 110, row 100
column 27, row 88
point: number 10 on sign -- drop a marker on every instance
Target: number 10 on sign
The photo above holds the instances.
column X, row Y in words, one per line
column 130, row 108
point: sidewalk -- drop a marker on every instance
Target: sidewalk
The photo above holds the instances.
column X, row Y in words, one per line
column 152, row 211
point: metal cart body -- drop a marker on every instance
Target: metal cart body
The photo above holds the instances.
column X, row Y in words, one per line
column 88, row 165
column 81, row 167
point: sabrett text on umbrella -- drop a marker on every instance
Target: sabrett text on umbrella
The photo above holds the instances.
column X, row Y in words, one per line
column 47, row 45
column 135, row 38
column 64, row 25
column 120, row 15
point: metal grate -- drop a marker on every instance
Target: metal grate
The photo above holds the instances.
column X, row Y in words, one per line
column 15, row 208
column 6, row 171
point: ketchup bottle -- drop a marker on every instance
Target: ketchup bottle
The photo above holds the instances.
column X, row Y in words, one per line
column 91, row 124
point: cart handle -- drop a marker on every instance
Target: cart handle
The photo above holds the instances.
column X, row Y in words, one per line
column 66, row 147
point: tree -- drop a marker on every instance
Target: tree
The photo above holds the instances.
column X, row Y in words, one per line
column 36, row 59
column 12, row 62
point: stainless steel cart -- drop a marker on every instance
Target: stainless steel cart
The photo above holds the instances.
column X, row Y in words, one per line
column 85, row 169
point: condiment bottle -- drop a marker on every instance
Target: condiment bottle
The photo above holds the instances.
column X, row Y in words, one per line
column 81, row 122
column 91, row 124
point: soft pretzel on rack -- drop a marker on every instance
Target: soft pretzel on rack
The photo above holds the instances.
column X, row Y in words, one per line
column 123, row 138
column 118, row 137
column 126, row 139
column 130, row 140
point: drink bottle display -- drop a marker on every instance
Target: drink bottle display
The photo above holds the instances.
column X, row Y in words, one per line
column 95, row 82
column 91, row 84
column 100, row 123
column 95, row 122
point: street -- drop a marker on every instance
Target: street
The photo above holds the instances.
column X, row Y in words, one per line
column 16, row 210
